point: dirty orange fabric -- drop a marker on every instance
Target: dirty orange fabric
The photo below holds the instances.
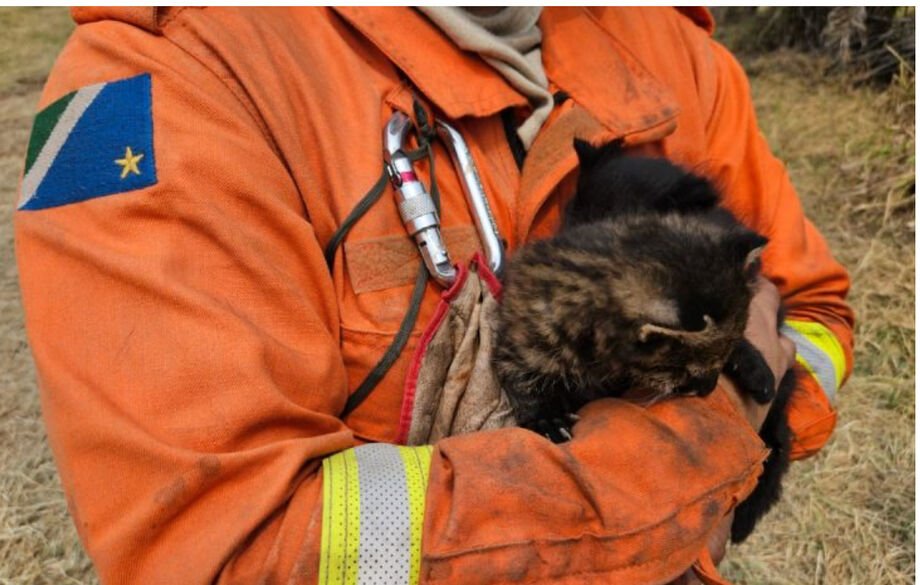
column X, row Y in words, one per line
column 194, row 351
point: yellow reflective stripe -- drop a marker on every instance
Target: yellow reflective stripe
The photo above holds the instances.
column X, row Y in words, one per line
column 341, row 533
column 417, row 461
column 820, row 352
column 373, row 514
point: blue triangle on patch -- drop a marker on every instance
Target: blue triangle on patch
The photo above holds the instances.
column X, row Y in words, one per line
column 95, row 141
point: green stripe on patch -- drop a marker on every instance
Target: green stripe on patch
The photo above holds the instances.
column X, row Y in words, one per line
column 44, row 123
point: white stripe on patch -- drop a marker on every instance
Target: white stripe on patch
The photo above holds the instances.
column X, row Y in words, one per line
column 65, row 125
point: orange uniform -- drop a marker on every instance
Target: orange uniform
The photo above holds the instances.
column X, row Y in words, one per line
column 194, row 350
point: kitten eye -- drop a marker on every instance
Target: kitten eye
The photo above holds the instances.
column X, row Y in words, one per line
column 696, row 321
column 651, row 343
column 693, row 322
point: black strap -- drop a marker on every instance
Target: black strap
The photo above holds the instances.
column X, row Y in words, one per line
column 366, row 202
column 514, row 141
column 421, row 280
column 392, row 353
column 357, row 213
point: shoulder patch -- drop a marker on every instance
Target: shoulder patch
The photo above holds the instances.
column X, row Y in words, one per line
column 92, row 142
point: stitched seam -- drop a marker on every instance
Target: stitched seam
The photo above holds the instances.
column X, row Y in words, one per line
column 171, row 16
column 555, row 578
column 374, row 332
column 620, row 569
column 605, row 538
column 660, row 94
column 244, row 102
column 490, row 101
column 226, row 82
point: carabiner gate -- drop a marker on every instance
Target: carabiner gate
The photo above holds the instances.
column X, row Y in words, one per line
column 417, row 209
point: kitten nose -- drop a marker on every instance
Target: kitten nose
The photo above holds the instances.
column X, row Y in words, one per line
column 700, row 386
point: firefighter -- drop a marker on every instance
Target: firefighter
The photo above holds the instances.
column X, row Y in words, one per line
column 195, row 351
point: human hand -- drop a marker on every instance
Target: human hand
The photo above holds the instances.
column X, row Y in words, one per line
column 778, row 351
column 717, row 545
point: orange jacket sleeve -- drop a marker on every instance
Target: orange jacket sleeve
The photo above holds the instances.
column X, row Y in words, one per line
column 187, row 345
column 814, row 285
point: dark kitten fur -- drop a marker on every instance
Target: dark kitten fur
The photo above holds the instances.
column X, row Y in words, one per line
column 646, row 286
column 617, row 304
column 611, row 186
column 777, row 435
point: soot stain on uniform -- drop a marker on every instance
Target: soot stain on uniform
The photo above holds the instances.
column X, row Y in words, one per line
column 704, row 432
column 170, row 495
column 586, row 487
column 520, row 563
column 209, row 467
column 564, row 553
column 435, row 570
column 650, row 120
column 712, row 509
column 514, row 459
column 689, row 454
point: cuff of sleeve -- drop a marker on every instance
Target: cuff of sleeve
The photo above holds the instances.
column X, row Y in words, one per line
column 823, row 368
column 819, row 352
column 705, row 570
column 373, row 512
column 811, row 417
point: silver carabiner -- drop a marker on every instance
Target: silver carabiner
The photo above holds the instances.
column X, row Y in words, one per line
column 475, row 196
column 417, row 209
column 415, row 205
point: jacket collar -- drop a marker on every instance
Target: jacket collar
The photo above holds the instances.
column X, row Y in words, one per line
column 457, row 82
column 616, row 90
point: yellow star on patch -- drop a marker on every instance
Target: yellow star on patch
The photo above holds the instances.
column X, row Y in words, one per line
column 129, row 163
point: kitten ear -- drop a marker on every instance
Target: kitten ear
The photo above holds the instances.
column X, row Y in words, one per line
column 750, row 247
column 651, row 330
column 587, row 154
column 752, row 260
column 695, row 192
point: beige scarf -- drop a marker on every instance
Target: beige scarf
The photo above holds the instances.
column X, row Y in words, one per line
column 509, row 41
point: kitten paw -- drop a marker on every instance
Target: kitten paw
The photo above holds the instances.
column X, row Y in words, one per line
column 750, row 371
column 557, row 430
column 764, row 394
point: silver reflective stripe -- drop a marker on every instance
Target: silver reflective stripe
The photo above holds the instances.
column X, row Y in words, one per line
column 373, row 514
column 819, row 363
column 384, row 550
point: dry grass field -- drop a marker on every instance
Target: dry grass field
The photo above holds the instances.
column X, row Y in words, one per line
column 848, row 515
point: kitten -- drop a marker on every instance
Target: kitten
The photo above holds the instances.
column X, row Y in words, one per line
column 647, row 286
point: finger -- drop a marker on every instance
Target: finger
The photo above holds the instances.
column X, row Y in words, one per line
column 788, row 347
column 718, row 540
column 765, row 287
column 688, row 578
column 767, row 296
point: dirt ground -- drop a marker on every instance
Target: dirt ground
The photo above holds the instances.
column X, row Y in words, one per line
column 848, row 513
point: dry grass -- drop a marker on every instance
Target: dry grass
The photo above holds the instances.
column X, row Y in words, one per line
column 38, row 544
column 848, row 515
